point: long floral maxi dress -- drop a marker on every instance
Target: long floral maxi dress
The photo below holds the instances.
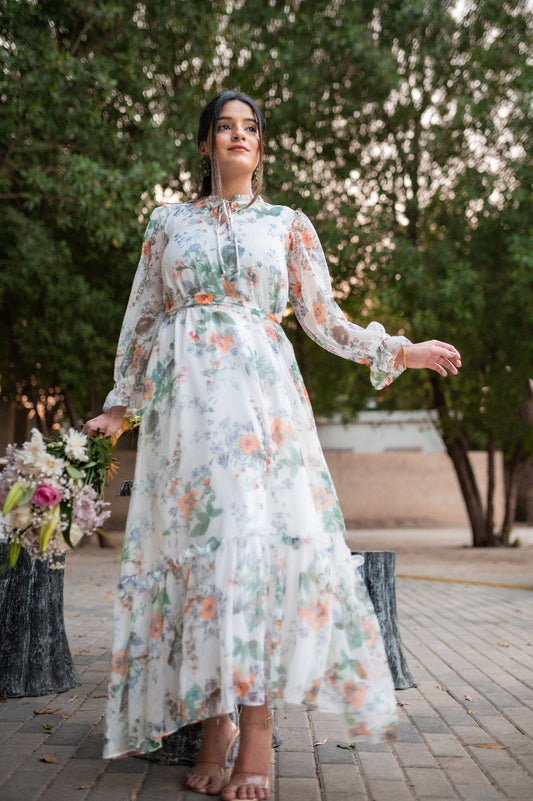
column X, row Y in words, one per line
column 236, row 584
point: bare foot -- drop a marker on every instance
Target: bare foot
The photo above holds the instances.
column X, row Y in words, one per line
column 251, row 772
column 209, row 774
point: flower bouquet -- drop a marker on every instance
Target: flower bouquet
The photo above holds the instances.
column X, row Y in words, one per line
column 51, row 490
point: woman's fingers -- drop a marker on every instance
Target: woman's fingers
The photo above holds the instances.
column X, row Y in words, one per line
column 441, row 357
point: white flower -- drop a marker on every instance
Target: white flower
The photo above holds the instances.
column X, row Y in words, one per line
column 47, row 465
column 20, row 516
column 75, row 534
column 75, row 443
column 30, row 451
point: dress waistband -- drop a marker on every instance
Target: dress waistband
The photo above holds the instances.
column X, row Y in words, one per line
column 207, row 299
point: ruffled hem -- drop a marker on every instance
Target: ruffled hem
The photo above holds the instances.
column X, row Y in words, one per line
column 187, row 646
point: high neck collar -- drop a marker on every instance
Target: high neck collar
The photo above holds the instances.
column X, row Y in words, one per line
column 240, row 199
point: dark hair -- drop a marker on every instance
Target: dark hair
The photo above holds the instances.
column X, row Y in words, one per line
column 210, row 180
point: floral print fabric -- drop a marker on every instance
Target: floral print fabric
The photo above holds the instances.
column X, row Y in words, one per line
column 236, row 581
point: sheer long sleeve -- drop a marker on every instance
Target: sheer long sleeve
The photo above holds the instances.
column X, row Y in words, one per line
column 324, row 321
column 144, row 314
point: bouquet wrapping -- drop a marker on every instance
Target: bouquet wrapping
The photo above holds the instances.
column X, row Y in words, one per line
column 51, row 491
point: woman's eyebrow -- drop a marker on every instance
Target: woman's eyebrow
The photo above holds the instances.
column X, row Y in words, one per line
column 246, row 119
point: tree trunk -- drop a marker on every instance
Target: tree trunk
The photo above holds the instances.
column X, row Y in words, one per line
column 489, row 517
column 457, row 450
column 512, row 472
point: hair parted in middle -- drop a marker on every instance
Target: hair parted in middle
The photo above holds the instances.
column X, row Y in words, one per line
column 210, row 179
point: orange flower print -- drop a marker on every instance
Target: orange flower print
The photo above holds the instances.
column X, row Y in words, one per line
column 355, row 694
column 241, row 683
column 370, row 634
column 119, row 662
column 290, row 241
column 322, row 498
column 223, row 344
column 204, row 297
column 312, row 692
column 156, row 625
column 208, row 607
column 187, row 503
column 316, row 615
column 319, row 312
column 297, row 289
column 147, row 246
column 273, row 317
column 201, row 204
column 138, row 355
column 148, row 389
column 248, row 443
column 271, row 334
column 229, row 288
column 278, row 431
column 307, row 239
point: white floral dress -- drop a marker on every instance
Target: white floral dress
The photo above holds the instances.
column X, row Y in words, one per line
column 236, row 581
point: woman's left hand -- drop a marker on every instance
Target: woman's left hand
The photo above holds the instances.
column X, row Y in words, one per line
column 435, row 355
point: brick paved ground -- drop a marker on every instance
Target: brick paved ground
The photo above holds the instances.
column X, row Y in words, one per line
column 466, row 729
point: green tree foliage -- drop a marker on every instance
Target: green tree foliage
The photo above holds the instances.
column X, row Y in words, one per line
column 95, row 103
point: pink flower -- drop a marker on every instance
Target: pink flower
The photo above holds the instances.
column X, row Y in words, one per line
column 45, row 495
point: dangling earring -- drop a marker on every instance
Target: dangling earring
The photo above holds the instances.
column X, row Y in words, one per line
column 205, row 167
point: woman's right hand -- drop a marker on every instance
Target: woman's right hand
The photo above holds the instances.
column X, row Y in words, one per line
column 107, row 423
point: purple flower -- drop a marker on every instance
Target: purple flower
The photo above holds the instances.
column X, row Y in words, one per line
column 46, row 495
column 87, row 512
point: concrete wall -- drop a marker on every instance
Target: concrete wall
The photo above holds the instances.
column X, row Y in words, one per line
column 404, row 489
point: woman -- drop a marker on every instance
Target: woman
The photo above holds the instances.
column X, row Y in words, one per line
column 236, row 584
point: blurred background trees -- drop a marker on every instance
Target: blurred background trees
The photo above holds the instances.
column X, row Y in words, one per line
column 401, row 128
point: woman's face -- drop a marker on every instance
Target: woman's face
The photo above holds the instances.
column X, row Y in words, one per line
column 236, row 141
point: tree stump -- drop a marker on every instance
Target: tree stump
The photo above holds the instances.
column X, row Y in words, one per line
column 35, row 658
column 379, row 572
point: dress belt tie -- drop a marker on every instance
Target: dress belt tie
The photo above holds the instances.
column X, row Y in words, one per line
column 207, row 299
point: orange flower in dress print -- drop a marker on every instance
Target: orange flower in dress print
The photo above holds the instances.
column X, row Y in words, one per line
column 271, row 334
column 156, row 625
column 208, row 607
column 229, row 288
column 148, row 389
column 319, row 312
column 119, row 662
column 307, row 239
column 147, row 247
column 355, row 694
column 248, row 443
column 241, row 683
column 312, row 692
column 316, row 615
column 278, row 430
column 322, row 498
column 187, row 503
column 297, row 289
column 223, row 344
column 204, row 297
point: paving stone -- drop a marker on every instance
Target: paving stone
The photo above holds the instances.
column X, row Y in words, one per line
column 429, row 783
column 290, row 789
column 382, row 790
column 379, row 766
column 295, row 738
column 414, row 755
column 297, row 764
column 342, row 781
column 330, row 753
